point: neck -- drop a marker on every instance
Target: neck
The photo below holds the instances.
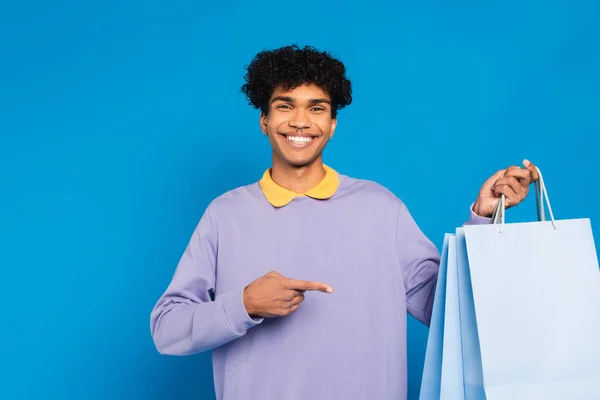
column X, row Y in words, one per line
column 298, row 179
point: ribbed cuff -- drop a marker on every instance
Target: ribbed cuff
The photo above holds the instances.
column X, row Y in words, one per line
column 235, row 313
column 475, row 219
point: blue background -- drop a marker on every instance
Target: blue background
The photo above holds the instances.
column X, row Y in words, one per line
column 120, row 121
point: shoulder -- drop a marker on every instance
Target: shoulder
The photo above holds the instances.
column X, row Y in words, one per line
column 242, row 197
column 241, row 200
column 220, row 211
column 369, row 191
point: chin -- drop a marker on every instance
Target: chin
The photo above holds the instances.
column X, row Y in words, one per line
column 295, row 156
column 299, row 162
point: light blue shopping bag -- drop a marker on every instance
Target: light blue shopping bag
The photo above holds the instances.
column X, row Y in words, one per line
column 534, row 315
column 442, row 373
column 453, row 368
column 432, row 369
column 452, row 364
column 471, row 352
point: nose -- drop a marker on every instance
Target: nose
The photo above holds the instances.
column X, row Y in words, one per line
column 299, row 120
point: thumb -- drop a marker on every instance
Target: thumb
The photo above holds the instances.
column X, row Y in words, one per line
column 532, row 169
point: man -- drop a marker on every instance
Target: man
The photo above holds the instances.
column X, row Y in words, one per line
column 300, row 283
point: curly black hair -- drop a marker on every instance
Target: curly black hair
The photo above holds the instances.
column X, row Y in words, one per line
column 291, row 66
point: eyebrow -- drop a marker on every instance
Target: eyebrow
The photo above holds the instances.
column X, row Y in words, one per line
column 292, row 100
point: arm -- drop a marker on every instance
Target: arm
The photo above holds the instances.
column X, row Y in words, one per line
column 418, row 257
column 420, row 261
column 186, row 319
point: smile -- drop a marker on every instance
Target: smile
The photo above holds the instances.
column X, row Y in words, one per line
column 299, row 141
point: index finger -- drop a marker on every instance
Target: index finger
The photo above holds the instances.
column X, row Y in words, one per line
column 523, row 175
column 308, row 285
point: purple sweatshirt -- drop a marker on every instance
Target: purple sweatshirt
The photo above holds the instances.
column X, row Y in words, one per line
column 350, row 344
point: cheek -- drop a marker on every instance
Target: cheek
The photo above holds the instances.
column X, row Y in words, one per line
column 275, row 124
column 325, row 125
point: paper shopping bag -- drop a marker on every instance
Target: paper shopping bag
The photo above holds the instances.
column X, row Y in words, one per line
column 432, row 368
column 442, row 373
column 471, row 353
column 534, row 315
column 452, row 364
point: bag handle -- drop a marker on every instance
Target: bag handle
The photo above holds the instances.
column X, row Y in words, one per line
column 540, row 194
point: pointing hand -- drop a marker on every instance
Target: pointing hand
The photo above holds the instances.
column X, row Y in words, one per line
column 274, row 295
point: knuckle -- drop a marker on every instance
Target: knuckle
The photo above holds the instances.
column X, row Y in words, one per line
column 284, row 297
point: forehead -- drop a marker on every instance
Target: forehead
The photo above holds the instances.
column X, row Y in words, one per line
column 303, row 92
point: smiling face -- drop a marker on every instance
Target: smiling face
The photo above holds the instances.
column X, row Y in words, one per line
column 299, row 124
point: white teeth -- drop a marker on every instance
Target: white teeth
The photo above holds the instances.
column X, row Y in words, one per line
column 299, row 139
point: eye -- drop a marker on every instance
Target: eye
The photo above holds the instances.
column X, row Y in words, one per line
column 318, row 109
column 284, row 107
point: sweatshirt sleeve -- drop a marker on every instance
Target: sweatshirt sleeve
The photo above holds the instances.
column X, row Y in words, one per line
column 475, row 219
column 188, row 318
column 420, row 262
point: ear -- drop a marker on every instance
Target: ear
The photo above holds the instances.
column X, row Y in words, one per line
column 263, row 123
column 333, row 126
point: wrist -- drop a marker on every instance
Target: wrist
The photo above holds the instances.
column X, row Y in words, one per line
column 478, row 211
column 248, row 303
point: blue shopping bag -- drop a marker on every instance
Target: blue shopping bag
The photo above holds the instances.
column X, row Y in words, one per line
column 431, row 379
column 442, row 373
column 471, row 352
column 534, row 315
column 452, row 364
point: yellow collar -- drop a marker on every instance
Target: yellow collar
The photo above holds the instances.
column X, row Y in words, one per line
column 279, row 196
